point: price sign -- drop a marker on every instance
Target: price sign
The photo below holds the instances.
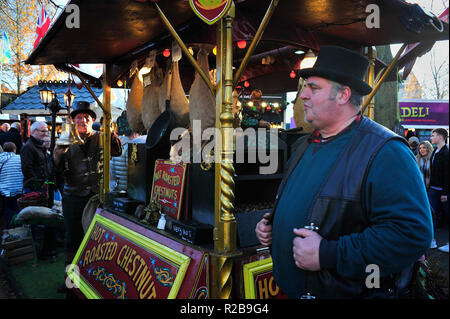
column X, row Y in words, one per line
column 168, row 186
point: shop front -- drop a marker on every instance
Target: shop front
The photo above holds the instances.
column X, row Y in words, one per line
column 420, row 117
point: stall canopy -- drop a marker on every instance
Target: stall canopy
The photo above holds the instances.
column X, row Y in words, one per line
column 119, row 32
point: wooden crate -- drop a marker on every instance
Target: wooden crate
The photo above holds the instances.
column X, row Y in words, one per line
column 19, row 250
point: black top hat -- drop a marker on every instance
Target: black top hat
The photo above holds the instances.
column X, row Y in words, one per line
column 82, row 107
column 340, row 65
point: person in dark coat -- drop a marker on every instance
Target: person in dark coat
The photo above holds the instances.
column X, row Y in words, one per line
column 35, row 159
column 352, row 201
column 13, row 135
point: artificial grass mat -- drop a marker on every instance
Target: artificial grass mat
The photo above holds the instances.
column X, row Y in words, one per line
column 40, row 281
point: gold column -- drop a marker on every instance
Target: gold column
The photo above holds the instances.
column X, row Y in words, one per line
column 370, row 79
column 225, row 235
column 383, row 77
column 106, row 135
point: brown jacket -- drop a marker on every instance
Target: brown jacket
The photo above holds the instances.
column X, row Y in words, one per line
column 80, row 165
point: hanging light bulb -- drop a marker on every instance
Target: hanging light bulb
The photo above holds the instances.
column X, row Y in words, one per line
column 308, row 61
column 242, row 44
column 292, row 74
column 166, row 53
column 215, row 50
column 246, row 84
column 119, row 83
column 191, row 51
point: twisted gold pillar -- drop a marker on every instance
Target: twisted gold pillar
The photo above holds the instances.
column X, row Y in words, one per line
column 225, row 235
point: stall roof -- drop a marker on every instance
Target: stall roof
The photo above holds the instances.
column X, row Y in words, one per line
column 121, row 31
column 29, row 102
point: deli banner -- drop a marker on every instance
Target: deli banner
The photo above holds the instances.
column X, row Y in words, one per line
column 117, row 262
column 433, row 113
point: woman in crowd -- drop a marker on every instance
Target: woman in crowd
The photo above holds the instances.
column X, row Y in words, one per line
column 424, row 161
column 11, row 179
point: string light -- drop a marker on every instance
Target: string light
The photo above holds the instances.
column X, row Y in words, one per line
column 166, row 53
column 246, row 84
column 119, row 83
column 242, row 44
column 292, row 74
column 215, row 50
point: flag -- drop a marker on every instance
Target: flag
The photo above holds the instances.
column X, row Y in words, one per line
column 444, row 16
column 42, row 26
column 5, row 49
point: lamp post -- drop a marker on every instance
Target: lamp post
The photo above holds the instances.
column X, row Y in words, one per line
column 54, row 107
column 48, row 98
column 46, row 95
column 68, row 100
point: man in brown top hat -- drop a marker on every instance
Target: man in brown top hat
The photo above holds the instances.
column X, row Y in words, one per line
column 78, row 164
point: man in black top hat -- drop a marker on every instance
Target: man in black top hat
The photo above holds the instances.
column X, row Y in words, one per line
column 351, row 214
column 78, row 164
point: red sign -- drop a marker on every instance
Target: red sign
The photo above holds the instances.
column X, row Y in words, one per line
column 119, row 259
column 210, row 11
column 168, row 186
column 117, row 267
column 266, row 287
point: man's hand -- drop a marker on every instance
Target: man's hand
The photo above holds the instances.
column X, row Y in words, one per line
column 306, row 249
column 264, row 231
column 58, row 151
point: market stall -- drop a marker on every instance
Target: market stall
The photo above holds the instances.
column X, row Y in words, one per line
column 186, row 229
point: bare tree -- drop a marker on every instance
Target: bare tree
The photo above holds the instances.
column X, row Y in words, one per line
column 18, row 19
column 438, row 87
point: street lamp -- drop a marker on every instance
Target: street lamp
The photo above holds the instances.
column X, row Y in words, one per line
column 68, row 100
column 54, row 107
column 46, row 95
column 69, row 134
